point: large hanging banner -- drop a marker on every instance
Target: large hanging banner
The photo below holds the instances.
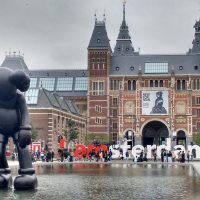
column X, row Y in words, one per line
column 155, row 102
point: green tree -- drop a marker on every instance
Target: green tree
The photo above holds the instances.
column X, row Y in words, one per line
column 197, row 138
column 34, row 133
column 71, row 133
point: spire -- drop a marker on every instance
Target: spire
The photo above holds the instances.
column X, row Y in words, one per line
column 124, row 10
column 124, row 44
column 196, row 41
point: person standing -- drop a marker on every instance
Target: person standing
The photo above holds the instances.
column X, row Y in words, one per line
column 183, row 157
column 154, row 156
column 188, row 156
column 52, row 156
column 127, row 155
column 162, row 155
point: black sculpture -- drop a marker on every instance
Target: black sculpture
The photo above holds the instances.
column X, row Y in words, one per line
column 14, row 122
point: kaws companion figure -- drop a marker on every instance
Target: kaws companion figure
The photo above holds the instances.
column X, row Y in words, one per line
column 14, row 122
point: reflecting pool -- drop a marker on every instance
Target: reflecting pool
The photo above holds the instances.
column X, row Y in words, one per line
column 111, row 182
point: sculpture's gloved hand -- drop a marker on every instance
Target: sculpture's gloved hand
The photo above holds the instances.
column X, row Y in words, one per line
column 24, row 138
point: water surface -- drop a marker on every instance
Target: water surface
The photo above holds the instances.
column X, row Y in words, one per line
column 111, row 182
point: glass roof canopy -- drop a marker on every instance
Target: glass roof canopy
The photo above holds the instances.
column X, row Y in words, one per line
column 31, row 96
column 47, row 83
column 60, row 84
column 81, row 83
column 64, row 84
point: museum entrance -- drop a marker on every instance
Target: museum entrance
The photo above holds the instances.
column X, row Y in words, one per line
column 181, row 138
column 154, row 132
column 129, row 135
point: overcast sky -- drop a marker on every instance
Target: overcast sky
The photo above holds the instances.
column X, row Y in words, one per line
column 56, row 33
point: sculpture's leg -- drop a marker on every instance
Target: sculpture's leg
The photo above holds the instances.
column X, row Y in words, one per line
column 5, row 175
column 26, row 178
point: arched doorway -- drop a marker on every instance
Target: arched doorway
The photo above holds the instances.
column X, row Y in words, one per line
column 129, row 135
column 154, row 132
column 181, row 138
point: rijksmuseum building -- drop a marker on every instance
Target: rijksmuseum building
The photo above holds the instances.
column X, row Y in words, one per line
column 121, row 94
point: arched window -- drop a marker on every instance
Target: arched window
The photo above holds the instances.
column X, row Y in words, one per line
column 129, row 85
column 178, row 85
column 161, row 83
column 183, row 84
column 156, row 83
column 198, row 84
column 133, row 85
column 151, row 83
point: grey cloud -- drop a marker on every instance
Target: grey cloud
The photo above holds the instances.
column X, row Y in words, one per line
column 56, row 33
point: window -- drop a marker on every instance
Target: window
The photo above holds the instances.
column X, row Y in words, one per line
column 98, row 88
column 98, row 41
column 196, row 84
column 181, row 85
column 156, row 83
column 197, row 100
column 178, row 85
column 151, row 83
column 156, row 68
column 47, row 83
column 98, row 120
column 131, row 85
column 117, row 68
column 33, row 83
column 196, row 67
column 114, row 84
column 114, row 112
column 114, row 125
column 81, row 83
column 31, row 96
column 98, row 108
column 180, row 67
column 198, row 112
column 114, row 136
column 92, row 60
column 161, row 83
column 131, row 68
column 115, row 101
column 198, row 126
column 64, row 84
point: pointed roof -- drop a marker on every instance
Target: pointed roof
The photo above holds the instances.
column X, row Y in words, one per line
column 124, row 44
column 99, row 38
column 15, row 62
column 196, row 42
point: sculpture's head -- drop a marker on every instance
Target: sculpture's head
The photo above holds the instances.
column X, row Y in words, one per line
column 10, row 81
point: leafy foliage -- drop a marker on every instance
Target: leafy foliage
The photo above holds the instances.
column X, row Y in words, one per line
column 71, row 133
column 34, row 133
column 197, row 138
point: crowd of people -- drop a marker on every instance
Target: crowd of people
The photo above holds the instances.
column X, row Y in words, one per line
column 105, row 156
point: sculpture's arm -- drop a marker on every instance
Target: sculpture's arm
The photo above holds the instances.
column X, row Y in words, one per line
column 25, row 124
column 25, row 128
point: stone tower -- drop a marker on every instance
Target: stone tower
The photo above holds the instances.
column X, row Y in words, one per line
column 99, row 59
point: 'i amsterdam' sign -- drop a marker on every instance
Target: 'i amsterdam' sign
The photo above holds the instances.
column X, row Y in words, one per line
column 81, row 150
